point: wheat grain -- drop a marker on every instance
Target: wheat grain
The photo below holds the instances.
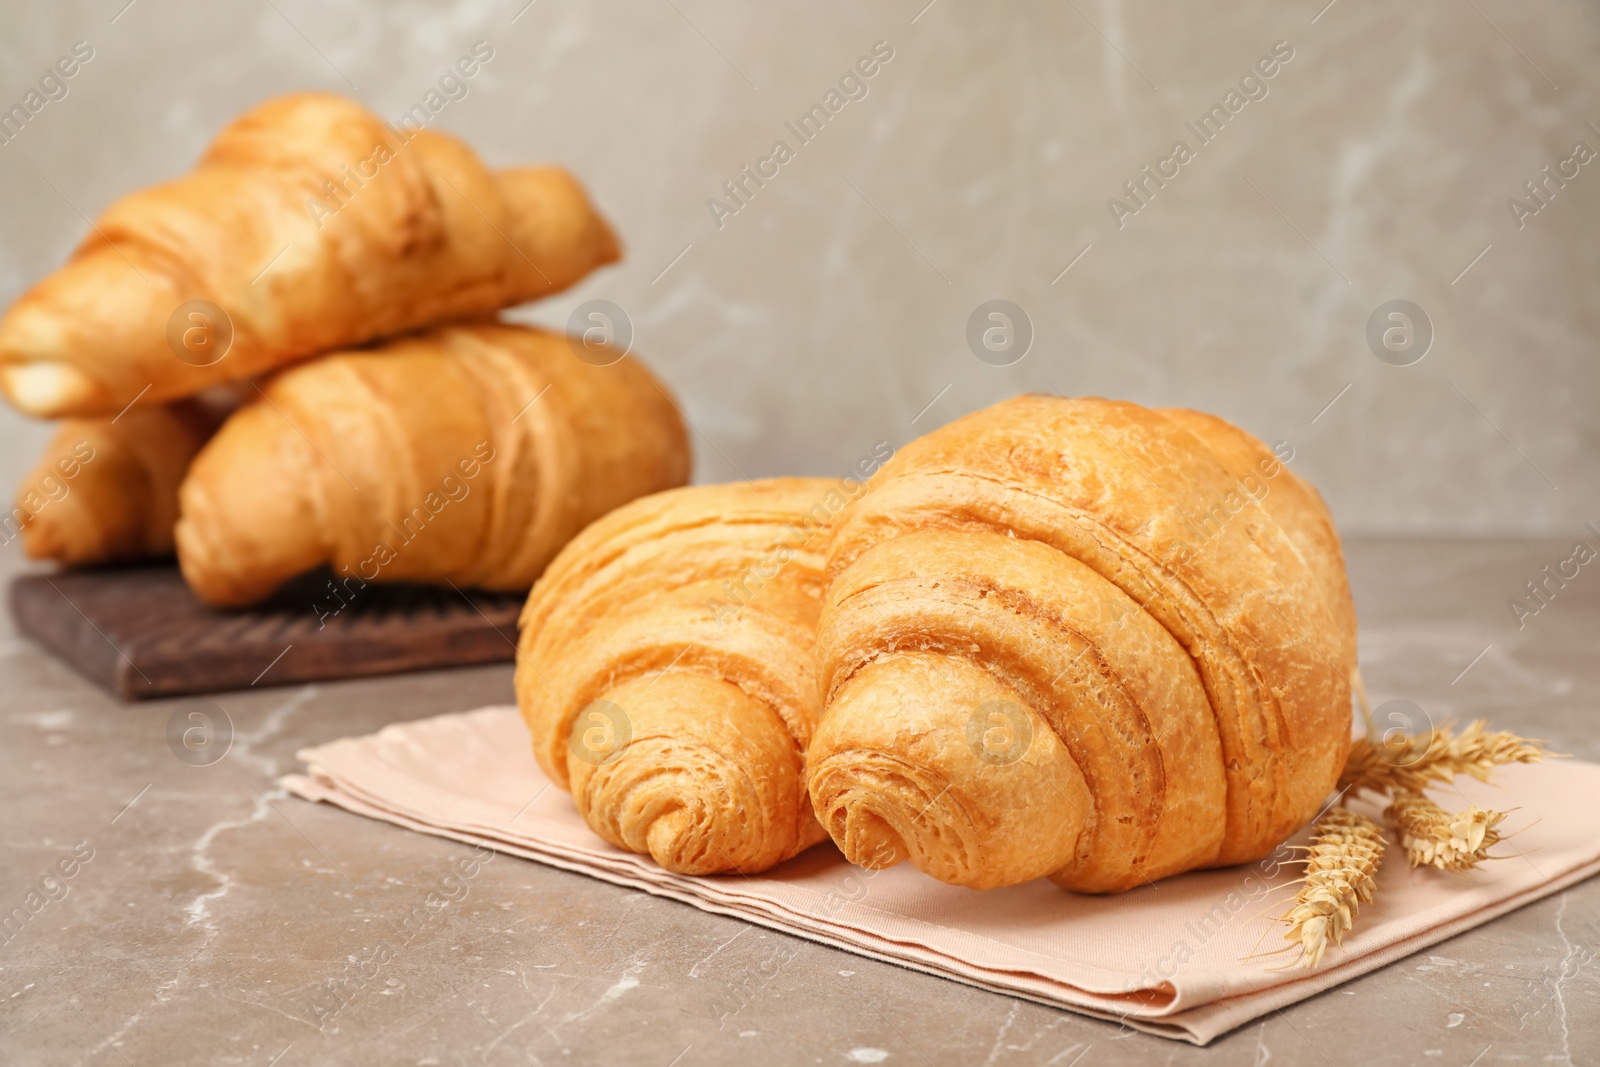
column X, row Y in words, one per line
column 1346, row 848
column 1341, row 869
column 1476, row 751
column 1414, row 763
column 1432, row 837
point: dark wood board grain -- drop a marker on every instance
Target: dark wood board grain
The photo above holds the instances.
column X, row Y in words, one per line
column 141, row 634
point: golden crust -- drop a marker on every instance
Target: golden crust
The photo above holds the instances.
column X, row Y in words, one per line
column 666, row 672
column 467, row 454
column 120, row 500
column 1188, row 643
column 277, row 226
column 1294, row 504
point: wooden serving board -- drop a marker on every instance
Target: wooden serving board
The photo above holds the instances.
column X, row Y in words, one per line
column 140, row 633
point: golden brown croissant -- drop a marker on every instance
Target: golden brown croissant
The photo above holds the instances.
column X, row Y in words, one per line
column 107, row 490
column 467, row 454
column 666, row 672
column 311, row 225
column 1082, row 639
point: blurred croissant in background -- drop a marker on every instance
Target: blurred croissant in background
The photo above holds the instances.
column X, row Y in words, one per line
column 467, row 454
column 1080, row 639
column 308, row 225
column 106, row 490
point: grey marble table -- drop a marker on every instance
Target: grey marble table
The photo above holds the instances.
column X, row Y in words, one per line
column 214, row 914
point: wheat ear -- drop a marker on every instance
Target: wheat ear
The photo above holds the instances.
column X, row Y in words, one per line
column 1412, row 764
column 1432, row 837
column 1341, row 869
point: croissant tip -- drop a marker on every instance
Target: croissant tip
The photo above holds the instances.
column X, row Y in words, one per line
column 867, row 839
column 678, row 844
column 49, row 388
column 610, row 244
column 42, row 541
column 209, row 580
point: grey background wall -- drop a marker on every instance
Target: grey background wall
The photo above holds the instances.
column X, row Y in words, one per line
column 831, row 310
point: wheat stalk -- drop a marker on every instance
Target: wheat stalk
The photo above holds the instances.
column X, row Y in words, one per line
column 1346, row 848
column 1341, row 868
column 1412, row 764
column 1432, row 837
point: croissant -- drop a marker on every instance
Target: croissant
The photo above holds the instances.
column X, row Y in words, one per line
column 107, row 490
column 666, row 673
column 467, row 454
column 1080, row 639
column 309, row 224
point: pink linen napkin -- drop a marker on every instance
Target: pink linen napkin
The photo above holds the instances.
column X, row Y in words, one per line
column 1169, row 959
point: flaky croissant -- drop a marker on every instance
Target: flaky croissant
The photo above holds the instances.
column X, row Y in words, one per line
column 1080, row 639
column 107, row 490
column 467, row 454
column 666, row 672
column 309, row 224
